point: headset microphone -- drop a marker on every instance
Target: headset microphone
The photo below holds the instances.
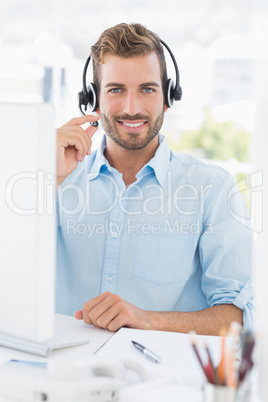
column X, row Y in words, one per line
column 89, row 96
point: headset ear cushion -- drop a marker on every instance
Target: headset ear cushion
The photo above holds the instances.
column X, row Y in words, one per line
column 82, row 98
column 169, row 92
column 92, row 97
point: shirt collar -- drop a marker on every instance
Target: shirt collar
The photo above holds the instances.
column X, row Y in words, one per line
column 159, row 163
column 100, row 162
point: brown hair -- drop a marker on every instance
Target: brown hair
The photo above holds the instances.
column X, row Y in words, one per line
column 127, row 40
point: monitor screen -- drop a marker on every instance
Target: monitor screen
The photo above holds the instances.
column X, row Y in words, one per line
column 27, row 220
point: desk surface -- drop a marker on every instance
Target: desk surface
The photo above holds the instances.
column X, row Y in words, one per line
column 175, row 350
column 66, row 324
column 178, row 359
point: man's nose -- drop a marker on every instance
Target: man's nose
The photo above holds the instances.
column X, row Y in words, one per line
column 132, row 104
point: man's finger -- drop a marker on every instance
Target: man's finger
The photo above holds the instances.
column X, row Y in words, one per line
column 90, row 130
column 79, row 315
column 90, row 304
column 77, row 121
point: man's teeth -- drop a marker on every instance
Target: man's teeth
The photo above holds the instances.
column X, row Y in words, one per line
column 133, row 125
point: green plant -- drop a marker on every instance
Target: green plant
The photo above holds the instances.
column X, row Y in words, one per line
column 217, row 140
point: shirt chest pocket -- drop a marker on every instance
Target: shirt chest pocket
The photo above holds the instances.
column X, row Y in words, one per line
column 164, row 258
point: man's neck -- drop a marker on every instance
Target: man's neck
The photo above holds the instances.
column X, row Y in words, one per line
column 129, row 162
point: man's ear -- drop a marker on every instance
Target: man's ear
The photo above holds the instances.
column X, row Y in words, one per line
column 165, row 108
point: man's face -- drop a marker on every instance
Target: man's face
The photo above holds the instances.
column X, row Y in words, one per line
column 131, row 100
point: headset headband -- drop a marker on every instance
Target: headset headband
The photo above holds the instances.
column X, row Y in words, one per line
column 177, row 88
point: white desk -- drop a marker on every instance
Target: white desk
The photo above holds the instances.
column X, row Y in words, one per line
column 177, row 377
column 97, row 338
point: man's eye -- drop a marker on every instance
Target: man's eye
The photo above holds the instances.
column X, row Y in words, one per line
column 115, row 90
column 148, row 90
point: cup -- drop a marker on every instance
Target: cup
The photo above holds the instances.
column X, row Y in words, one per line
column 219, row 393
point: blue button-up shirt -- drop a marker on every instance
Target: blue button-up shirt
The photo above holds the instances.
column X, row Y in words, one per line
column 177, row 239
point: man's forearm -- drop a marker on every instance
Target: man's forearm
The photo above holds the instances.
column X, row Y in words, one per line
column 110, row 311
column 204, row 322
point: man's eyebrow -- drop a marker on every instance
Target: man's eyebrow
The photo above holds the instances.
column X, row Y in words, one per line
column 150, row 84
column 144, row 84
column 114, row 84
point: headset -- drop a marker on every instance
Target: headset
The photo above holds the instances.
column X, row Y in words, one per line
column 89, row 96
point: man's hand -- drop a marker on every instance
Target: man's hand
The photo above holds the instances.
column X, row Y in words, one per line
column 73, row 144
column 110, row 311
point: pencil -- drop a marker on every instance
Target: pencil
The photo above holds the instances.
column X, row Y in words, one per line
column 213, row 370
column 233, row 341
column 221, row 369
column 199, row 359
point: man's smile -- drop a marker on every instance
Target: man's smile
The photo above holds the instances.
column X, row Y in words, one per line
column 132, row 126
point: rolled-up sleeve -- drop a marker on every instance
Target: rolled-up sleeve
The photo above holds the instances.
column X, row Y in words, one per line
column 245, row 301
column 226, row 249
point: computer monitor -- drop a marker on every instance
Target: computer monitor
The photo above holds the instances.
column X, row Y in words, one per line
column 27, row 220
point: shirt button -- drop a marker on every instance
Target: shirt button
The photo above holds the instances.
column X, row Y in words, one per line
column 119, row 193
column 109, row 278
column 114, row 235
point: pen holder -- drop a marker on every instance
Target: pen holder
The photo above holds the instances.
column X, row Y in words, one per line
column 219, row 393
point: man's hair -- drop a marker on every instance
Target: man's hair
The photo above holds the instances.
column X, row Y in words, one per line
column 127, row 40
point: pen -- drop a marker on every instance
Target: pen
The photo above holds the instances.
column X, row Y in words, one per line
column 30, row 362
column 147, row 352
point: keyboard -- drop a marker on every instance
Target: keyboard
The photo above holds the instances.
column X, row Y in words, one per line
column 62, row 340
column 44, row 349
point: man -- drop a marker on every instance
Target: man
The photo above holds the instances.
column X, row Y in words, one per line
column 147, row 238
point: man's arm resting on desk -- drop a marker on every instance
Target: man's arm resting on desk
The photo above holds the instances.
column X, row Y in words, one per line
column 111, row 312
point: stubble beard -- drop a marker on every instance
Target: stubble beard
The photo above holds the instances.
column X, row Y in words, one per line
column 134, row 141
